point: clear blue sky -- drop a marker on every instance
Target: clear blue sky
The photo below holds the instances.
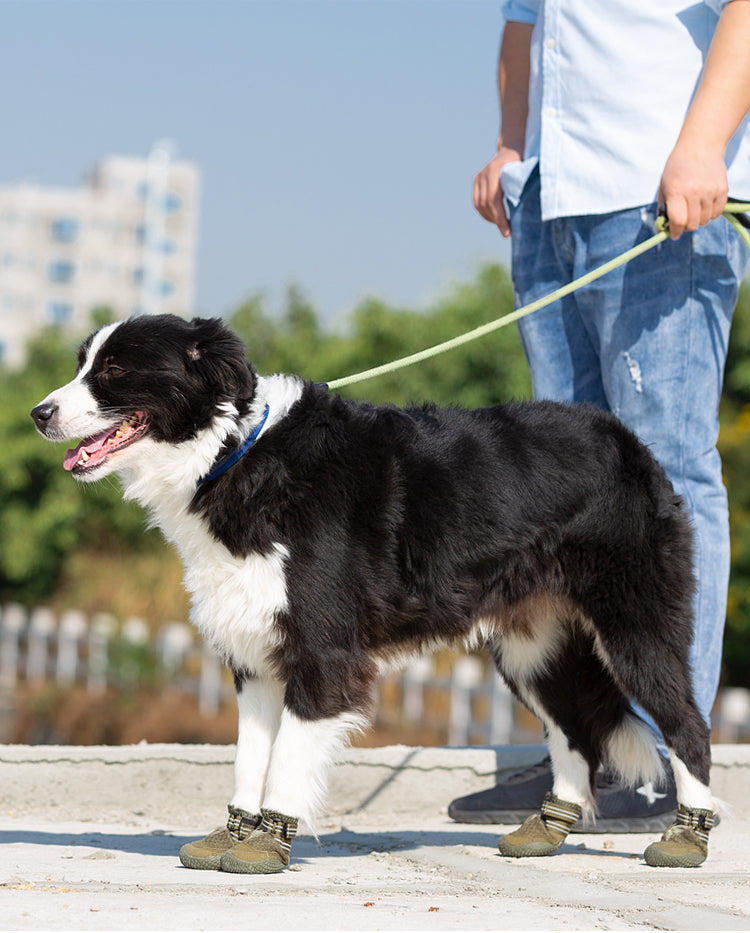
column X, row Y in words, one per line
column 337, row 139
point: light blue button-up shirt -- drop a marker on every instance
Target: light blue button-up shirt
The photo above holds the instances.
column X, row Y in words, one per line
column 611, row 82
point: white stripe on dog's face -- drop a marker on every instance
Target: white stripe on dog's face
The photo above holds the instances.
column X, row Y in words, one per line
column 97, row 342
column 77, row 411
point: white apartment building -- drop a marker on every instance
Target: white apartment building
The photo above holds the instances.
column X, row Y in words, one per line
column 125, row 240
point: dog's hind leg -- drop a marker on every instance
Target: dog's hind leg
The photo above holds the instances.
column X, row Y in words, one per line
column 654, row 671
column 551, row 665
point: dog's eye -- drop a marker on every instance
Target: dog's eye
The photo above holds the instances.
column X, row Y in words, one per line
column 114, row 371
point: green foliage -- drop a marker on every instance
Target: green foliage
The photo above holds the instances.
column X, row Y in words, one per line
column 734, row 445
column 483, row 372
column 47, row 519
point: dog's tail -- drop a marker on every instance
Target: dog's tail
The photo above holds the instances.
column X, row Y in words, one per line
column 632, row 753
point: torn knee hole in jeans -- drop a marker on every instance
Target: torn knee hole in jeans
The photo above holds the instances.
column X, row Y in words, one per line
column 634, row 368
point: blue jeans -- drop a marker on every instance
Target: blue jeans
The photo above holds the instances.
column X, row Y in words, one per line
column 648, row 342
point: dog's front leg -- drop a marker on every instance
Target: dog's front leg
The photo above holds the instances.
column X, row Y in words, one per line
column 259, row 705
column 295, row 789
column 302, row 755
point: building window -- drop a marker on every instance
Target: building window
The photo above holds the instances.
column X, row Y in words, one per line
column 61, row 271
column 64, row 229
column 59, row 312
column 166, row 289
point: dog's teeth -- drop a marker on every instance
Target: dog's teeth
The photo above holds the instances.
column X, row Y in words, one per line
column 84, row 456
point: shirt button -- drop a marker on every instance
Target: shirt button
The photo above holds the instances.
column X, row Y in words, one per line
column 551, row 112
column 551, row 43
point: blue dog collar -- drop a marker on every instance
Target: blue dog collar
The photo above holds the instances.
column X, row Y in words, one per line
column 237, row 454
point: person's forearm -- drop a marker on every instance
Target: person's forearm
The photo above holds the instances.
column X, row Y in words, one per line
column 723, row 96
column 694, row 185
column 513, row 84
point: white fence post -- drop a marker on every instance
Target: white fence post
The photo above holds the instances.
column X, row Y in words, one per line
column 101, row 632
column 467, row 674
column 174, row 643
column 209, row 690
column 414, row 679
column 14, row 622
column 69, row 636
column 734, row 712
column 134, row 632
column 501, row 712
column 41, row 630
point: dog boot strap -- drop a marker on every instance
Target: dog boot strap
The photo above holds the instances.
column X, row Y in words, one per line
column 700, row 821
column 241, row 823
column 559, row 815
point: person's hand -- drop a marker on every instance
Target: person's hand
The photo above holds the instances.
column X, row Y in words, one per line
column 488, row 189
column 694, row 186
column 694, row 183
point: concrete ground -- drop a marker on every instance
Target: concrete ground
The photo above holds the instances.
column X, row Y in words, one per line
column 90, row 838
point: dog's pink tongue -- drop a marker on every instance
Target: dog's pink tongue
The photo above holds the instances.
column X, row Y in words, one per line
column 90, row 445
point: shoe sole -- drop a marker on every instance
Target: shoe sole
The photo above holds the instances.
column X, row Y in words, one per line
column 269, row 866
column 201, row 862
column 528, row 850
column 655, row 857
column 646, row 824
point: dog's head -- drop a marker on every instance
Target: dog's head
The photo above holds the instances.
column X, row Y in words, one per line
column 156, row 378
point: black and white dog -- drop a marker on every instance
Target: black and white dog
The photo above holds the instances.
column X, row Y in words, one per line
column 323, row 539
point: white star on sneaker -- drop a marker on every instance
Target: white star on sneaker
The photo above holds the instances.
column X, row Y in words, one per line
column 647, row 791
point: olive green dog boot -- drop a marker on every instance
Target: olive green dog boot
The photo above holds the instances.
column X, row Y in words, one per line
column 266, row 850
column 685, row 843
column 543, row 833
column 206, row 853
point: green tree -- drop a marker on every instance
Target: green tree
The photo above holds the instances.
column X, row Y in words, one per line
column 734, row 445
column 47, row 519
column 483, row 372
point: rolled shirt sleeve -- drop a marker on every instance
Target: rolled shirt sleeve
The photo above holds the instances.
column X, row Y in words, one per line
column 521, row 11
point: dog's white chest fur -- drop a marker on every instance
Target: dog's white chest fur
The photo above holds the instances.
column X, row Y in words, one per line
column 235, row 601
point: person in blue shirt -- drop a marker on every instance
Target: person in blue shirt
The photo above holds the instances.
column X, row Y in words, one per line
column 609, row 112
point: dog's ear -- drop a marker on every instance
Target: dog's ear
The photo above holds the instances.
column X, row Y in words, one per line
column 217, row 355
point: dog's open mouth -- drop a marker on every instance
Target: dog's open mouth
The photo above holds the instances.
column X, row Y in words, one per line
column 93, row 451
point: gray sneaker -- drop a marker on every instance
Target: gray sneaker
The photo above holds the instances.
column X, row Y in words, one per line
column 622, row 809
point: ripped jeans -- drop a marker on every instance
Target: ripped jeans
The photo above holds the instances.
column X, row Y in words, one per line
column 648, row 342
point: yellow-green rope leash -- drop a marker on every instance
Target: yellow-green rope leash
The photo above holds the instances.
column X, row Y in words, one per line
column 662, row 233
column 738, row 208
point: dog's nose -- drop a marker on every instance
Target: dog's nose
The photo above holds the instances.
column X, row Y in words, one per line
column 42, row 414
